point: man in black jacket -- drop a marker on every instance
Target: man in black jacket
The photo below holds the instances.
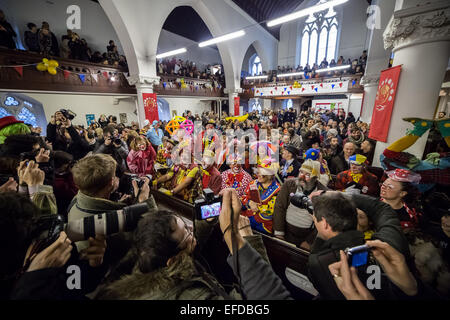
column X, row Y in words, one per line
column 335, row 219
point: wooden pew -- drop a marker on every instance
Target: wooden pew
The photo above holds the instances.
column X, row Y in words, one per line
column 288, row 261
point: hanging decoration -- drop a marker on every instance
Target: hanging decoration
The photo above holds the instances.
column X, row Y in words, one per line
column 48, row 65
column 183, row 84
column 95, row 77
column 19, row 70
column 66, row 74
column 353, row 83
column 332, row 86
column 105, row 74
column 82, row 77
column 188, row 126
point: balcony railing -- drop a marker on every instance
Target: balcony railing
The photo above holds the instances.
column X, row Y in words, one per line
column 173, row 85
column 98, row 78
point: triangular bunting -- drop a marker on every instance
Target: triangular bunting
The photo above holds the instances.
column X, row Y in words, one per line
column 105, row 74
column 340, row 84
column 66, row 74
column 95, row 76
column 82, row 77
column 303, row 89
column 321, row 85
column 316, row 89
column 19, row 70
column 332, row 86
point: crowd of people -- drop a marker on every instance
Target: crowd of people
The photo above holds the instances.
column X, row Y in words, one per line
column 71, row 46
column 357, row 66
column 302, row 177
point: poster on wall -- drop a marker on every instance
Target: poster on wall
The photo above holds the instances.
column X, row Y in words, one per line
column 90, row 118
column 123, row 118
column 150, row 106
column 384, row 104
column 333, row 106
column 237, row 102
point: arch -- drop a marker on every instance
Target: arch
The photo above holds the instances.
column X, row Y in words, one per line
column 254, row 49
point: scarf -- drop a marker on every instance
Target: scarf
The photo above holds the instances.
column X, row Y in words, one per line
column 356, row 177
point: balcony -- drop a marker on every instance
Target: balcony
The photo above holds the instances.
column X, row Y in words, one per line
column 97, row 77
column 288, row 88
column 172, row 86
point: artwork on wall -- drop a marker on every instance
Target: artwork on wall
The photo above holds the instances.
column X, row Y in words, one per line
column 123, row 118
column 90, row 118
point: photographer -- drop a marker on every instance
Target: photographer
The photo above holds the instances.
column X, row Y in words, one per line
column 41, row 275
column 167, row 269
column 335, row 219
column 111, row 144
column 64, row 136
column 291, row 223
column 95, row 177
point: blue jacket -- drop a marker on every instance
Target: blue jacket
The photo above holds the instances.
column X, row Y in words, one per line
column 155, row 136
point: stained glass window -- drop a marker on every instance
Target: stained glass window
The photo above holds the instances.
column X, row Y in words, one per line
column 4, row 113
column 26, row 116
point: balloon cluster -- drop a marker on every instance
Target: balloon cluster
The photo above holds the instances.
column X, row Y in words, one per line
column 174, row 124
column 48, row 65
column 297, row 85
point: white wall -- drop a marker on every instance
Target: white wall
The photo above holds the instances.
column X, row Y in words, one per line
column 340, row 103
column 180, row 105
column 86, row 104
column 354, row 105
column 201, row 56
column 95, row 25
column 351, row 39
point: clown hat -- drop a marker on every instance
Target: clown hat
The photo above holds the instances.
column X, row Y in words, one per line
column 268, row 167
column 403, row 175
column 312, row 167
column 357, row 159
column 312, row 154
column 7, row 121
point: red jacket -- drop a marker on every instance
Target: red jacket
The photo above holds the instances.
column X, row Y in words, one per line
column 368, row 181
column 141, row 162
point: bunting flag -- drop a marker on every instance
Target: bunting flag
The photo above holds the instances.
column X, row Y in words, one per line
column 289, row 92
column 285, row 89
column 332, row 86
column 150, row 106
column 105, row 74
column 303, row 89
column 312, row 87
column 353, row 83
column 321, row 85
column 95, row 77
column 66, row 74
column 316, row 89
column 19, row 70
column 271, row 92
column 276, row 88
column 282, row 92
column 82, row 77
column 384, row 104
column 340, row 84
column 257, row 91
column 262, row 93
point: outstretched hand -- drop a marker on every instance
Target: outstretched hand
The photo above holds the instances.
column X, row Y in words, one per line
column 230, row 213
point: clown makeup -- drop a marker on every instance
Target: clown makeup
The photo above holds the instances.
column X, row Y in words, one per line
column 207, row 162
column 142, row 146
column 355, row 168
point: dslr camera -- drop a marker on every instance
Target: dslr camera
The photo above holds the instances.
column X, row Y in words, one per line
column 209, row 206
column 68, row 114
column 302, row 201
column 49, row 227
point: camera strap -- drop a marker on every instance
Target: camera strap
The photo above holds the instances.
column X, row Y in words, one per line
column 234, row 247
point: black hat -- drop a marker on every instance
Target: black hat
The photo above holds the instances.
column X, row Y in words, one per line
column 290, row 148
column 174, row 142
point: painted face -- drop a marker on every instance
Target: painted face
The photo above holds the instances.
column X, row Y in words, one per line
column 304, row 176
column 142, row 146
column 356, row 169
column 235, row 168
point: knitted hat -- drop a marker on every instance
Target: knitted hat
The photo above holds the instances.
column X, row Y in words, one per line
column 268, row 167
column 155, row 122
column 332, row 132
column 403, row 175
column 312, row 167
column 312, row 154
column 9, row 120
column 358, row 159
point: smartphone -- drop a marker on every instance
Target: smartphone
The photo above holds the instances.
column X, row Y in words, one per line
column 358, row 256
column 210, row 210
column 254, row 193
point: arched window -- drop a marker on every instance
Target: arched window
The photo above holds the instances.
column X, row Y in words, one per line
column 319, row 38
column 256, row 66
column 256, row 106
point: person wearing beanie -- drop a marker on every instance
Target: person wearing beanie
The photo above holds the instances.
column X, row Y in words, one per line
column 259, row 209
column 290, row 166
column 357, row 179
column 11, row 126
column 316, row 155
column 291, row 223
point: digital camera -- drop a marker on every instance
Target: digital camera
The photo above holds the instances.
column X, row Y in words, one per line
column 302, row 201
column 209, row 206
column 358, row 256
column 68, row 114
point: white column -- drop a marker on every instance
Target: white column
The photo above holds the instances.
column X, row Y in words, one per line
column 370, row 84
column 420, row 39
column 143, row 85
column 232, row 93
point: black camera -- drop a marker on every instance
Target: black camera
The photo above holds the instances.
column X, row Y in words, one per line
column 68, row 114
column 117, row 141
column 49, row 227
column 209, row 206
column 358, row 256
column 140, row 180
column 302, row 201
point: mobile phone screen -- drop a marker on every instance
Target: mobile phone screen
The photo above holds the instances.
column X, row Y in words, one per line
column 211, row 210
column 360, row 258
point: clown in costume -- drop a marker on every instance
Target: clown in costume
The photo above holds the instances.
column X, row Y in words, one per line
column 261, row 214
column 236, row 177
column 10, row 126
column 357, row 177
column 211, row 177
column 433, row 170
column 315, row 155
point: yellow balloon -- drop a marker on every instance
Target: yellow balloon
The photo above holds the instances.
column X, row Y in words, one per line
column 52, row 71
column 45, row 60
column 41, row 67
column 53, row 64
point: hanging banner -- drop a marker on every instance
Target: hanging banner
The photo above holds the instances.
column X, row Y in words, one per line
column 384, row 104
column 150, row 106
column 237, row 102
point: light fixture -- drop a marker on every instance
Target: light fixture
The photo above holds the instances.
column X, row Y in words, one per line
column 333, row 69
column 223, row 38
column 256, row 77
column 305, row 12
column 170, row 53
column 290, row 74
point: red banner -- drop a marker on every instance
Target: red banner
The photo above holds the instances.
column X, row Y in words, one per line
column 237, row 102
column 150, row 106
column 384, row 104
